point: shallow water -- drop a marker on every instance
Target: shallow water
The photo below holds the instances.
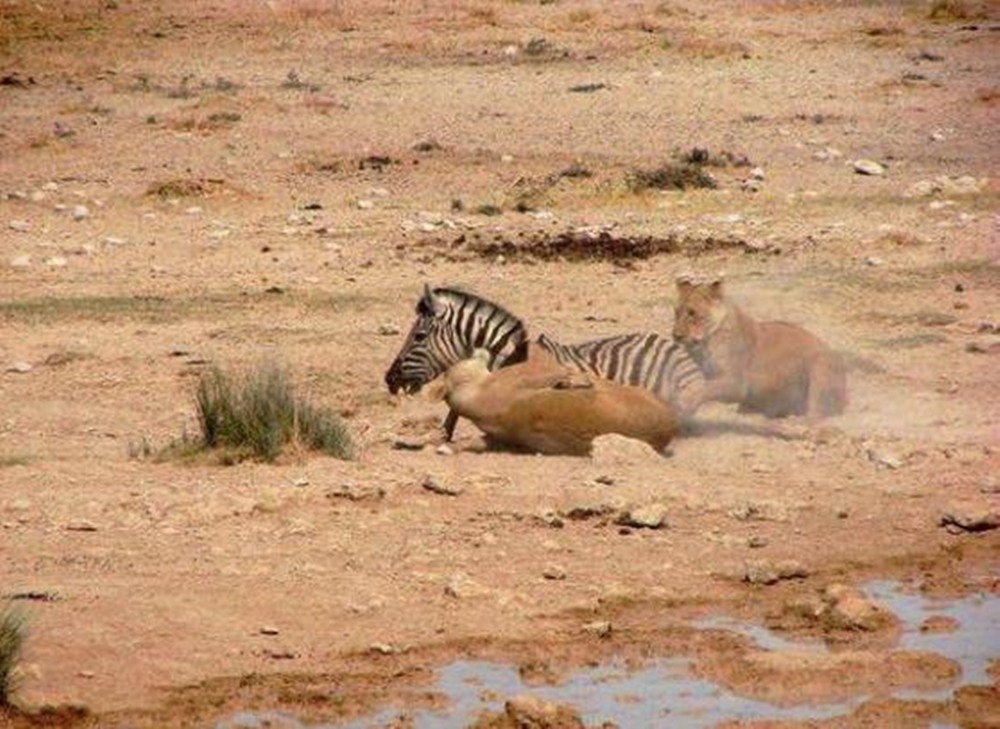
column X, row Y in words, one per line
column 665, row 691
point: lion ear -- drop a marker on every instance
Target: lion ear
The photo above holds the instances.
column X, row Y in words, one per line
column 716, row 288
column 685, row 282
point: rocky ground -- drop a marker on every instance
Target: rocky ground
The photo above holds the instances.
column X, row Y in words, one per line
column 185, row 184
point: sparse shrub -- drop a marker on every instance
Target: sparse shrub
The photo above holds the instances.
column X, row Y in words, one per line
column 258, row 415
column 13, row 631
column 670, row 176
column 949, row 10
column 488, row 209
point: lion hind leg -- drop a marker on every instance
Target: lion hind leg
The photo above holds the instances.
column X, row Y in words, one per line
column 827, row 388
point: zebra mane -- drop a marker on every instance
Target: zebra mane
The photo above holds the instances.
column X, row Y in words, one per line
column 461, row 296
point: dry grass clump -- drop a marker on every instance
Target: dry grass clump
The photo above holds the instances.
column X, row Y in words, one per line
column 670, row 176
column 259, row 415
column 13, row 633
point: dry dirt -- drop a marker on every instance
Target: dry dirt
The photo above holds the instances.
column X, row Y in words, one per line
column 277, row 180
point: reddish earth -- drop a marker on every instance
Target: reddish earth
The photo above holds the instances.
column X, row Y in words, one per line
column 253, row 192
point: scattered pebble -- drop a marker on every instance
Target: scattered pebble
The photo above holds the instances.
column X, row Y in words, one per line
column 388, row 330
column 651, row 516
column 963, row 519
column 354, row 492
column 848, row 609
column 768, row 573
column 617, row 450
column 432, row 484
column 365, row 204
column 21, row 226
column 554, row 572
column 85, row 674
column 268, row 630
column 462, row 587
column 19, row 367
column 81, row 525
column 939, row 624
column 20, row 261
column 80, row 212
column 300, row 482
column 600, row 628
column 444, row 450
column 884, row 459
column 280, row 654
column 868, row 167
column 56, row 261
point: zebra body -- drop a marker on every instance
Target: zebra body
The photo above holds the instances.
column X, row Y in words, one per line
column 451, row 324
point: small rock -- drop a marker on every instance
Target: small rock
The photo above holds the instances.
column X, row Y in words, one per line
column 111, row 240
column 193, row 210
column 56, row 262
column 554, row 572
column 506, row 158
column 280, row 654
column 407, row 443
column 462, row 587
column 354, row 492
column 384, row 649
column 849, row 609
column 365, row 204
column 21, row 261
column 85, row 674
column 432, row 484
column 768, row 573
column 532, row 712
column 300, row 482
column 444, row 450
column 21, row 226
column 19, row 367
column 651, row 516
column 874, row 261
column 388, row 330
column 984, row 347
column 81, row 525
column 600, row 628
column 970, row 519
column 617, row 450
column 868, row 167
column 757, row 542
column 939, row 624
column 268, row 630
column 80, row 212
column 757, row 173
column 885, row 459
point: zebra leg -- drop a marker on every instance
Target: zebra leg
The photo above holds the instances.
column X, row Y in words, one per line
column 450, row 421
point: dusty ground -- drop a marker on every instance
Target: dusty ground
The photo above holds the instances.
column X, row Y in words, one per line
column 198, row 134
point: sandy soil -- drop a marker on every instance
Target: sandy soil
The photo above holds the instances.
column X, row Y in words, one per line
column 235, row 212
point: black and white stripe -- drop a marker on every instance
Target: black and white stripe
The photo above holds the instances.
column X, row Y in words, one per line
column 451, row 324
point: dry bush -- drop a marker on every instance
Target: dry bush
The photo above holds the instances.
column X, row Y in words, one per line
column 258, row 415
column 13, row 633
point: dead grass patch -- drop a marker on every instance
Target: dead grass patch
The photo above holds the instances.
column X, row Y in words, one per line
column 577, row 246
column 184, row 187
column 258, row 415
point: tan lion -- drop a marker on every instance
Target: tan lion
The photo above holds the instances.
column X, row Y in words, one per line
column 543, row 407
column 774, row 368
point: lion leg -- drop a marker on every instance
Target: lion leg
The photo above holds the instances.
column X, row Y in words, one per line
column 827, row 388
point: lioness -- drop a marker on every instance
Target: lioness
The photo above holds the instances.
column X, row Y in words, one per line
column 774, row 368
column 544, row 407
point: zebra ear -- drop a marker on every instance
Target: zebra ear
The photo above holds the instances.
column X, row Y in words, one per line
column 428, row 304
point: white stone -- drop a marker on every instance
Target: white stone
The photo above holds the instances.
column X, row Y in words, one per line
column 80, row 212
column 21, row 226
column 868, row 167
column 21, row 261
column 365, row 204
column 56, row 261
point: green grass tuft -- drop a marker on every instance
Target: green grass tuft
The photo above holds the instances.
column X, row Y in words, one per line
column 13, row 632
column 259, row 415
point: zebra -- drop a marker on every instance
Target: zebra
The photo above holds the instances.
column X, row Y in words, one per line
column 452, row 323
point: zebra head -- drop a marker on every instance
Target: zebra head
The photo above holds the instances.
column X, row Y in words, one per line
column 450, row 325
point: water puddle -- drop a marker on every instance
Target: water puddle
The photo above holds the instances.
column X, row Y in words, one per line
column 665, row 691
